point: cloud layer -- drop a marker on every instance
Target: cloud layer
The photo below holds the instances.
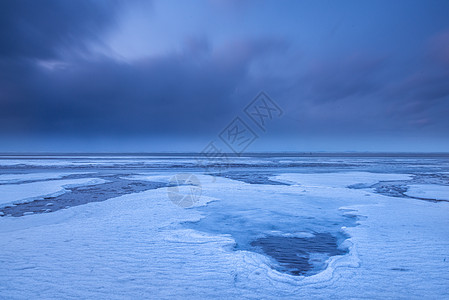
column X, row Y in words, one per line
column 62, row 74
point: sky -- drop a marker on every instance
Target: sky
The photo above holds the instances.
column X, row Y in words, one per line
column 176, row 76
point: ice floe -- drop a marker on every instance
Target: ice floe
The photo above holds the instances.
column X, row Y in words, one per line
column 19, row 193
column 13, row 178
column 428, row 191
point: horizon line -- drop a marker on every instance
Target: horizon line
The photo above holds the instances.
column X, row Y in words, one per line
column 230, row 154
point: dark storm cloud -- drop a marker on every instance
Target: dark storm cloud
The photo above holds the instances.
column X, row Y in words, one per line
column 347, row 77
column 365, row 93
column 332, row 71
column 186, row 90
column 41, row 29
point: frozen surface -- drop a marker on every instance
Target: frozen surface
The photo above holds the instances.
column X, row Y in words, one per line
column 429, row 191
column 14, row 178
column 244, row 238
column 108, row 186
column 339, row 179
column 13, row 193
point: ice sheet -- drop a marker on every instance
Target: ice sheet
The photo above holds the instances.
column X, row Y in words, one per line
column 341, row 179
column 13, row 193
column 428, row 191
column 138, row 245
column 12, row 178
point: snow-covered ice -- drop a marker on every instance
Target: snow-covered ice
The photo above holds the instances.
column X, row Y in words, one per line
column 339, row 179
column 16, row 193
column 14, row 178
column 429, row 191
column 142, row 245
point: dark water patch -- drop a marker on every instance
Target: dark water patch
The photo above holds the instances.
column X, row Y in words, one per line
column 391, row 189
column 297, row 255
column 398, row 188
column 149, row 165
column 274, row 164
column 298, row 245
column 358, row 186
column 400, row 269
column 427, row 199
column 250, row 177
column 81, row 195
column 431, row 178
column 394, row 189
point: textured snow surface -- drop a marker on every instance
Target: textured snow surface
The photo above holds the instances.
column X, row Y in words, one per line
column 339, row 179
column 16, row 193
column 13, row 178
column 429, row 191
column 136, row 246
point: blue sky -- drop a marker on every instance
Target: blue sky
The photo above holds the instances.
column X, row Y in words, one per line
column 171, row 75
